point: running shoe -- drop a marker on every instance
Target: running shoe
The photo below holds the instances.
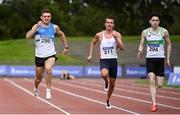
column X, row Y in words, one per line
column 48, row 94
column 108, row 105
column 154, row 108
column 36, row 92
column 105, row 86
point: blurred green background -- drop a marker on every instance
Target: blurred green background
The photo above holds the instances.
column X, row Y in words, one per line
column 80, row 20
column 86, row 17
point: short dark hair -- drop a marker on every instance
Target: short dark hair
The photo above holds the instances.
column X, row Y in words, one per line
column 154, row 14
column 45, row 11
column 110, row 17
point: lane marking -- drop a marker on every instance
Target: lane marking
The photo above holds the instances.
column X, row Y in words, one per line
column 139, row 87
column 27, row 91
column 86, row 98
column 126, row 97
column 137, row 92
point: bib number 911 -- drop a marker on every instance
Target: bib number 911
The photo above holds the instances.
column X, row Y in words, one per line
column 108, row 51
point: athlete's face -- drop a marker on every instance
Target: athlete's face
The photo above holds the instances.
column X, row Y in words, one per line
column 46, row 18
column 109, row 24
column 154, row 21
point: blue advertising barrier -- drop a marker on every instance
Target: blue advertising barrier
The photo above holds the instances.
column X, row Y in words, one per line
column 92, row 71
column 79, row 71
column 73, row 70
column 3, row 70
column 21, row 71
column 174, row 79
column 168, row 71
column 29, row 71
column 137, row 71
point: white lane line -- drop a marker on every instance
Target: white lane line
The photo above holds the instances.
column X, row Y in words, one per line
column 139, row 87
column 126, row 97
column 160, row 90
column 136, row 92
column 27, row 91
column 89, row 99
column 86, row 98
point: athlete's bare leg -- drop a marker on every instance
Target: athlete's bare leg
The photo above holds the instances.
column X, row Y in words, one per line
column 152, row 86
column 159, row 80
column 37, row 80
column 39, row 76
column 111, row 87
column 105, row 75
column 48, row 67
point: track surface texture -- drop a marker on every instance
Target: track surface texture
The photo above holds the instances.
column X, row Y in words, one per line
column 83, row 96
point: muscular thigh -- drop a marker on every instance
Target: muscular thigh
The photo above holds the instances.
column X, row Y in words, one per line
column 49, row 63
column 104, row 67
column 104, row 72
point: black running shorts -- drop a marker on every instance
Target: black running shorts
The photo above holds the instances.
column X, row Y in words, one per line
column 155, row 65
column 40, row 62
column 111, row 65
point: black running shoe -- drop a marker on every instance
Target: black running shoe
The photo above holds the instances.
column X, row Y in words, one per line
column 105, row 86
column 108, row 105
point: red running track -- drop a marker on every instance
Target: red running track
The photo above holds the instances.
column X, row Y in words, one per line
column 83, row 96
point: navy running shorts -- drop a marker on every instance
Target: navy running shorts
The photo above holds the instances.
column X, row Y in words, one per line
column 111, row 65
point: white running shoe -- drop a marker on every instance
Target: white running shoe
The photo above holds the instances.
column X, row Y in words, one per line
column 108, row 105
column 36, row 92
column 48, row 94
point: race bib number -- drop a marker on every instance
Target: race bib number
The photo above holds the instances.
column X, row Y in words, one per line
column 153, row 47
column 45, row 40
column 108, row 50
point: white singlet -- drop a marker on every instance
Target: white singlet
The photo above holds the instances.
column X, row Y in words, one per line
column 44, row 41
column 155, row 43
column 108, row 47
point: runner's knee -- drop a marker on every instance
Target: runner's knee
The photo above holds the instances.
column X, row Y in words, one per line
column 48, row 71
column 151, row 75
